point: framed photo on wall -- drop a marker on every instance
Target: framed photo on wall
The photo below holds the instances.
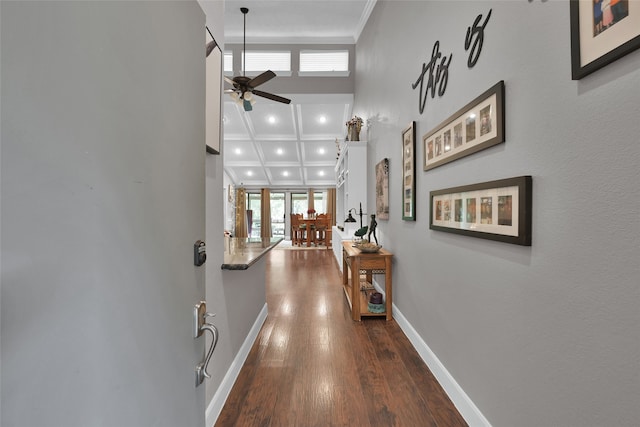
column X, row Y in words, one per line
column 213, row 90
column 409, row 172
column 476, row 126
column 602, row 31
column 382, row 189
column 496, row 210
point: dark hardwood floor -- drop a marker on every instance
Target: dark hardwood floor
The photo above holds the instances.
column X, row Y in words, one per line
column 311, row 365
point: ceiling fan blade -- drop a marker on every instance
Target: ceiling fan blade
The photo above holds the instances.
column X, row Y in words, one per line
column 228, row 80
column 272, row 96
column 262, row 78
column 247, row 105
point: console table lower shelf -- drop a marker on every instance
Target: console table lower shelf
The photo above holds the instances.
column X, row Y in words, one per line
column 358, row 269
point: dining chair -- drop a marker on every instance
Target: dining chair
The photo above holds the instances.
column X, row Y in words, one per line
column 308, row 228
column 297, row 230
column 323, row 229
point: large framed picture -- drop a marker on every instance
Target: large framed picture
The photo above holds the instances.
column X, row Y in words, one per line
column 409, row 172
column 213, row 90
column 496, row 210
column 602, row 31
column 476, row 126
column 382, row 189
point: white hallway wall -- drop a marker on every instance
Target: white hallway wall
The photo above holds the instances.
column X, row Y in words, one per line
column 236, row 297
column 536, row 336
column 224, row 354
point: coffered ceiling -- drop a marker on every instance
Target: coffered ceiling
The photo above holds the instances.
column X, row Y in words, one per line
column 280, row 145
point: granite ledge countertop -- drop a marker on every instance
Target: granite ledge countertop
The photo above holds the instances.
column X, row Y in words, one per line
column 241, row 253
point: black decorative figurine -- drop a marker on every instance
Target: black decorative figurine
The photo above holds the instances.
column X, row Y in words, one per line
column 372, row 229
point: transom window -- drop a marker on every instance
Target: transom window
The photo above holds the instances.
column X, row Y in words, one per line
column 324, row 62
column 228, row 62
column 259, row 61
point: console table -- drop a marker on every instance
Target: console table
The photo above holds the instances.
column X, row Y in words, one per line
column 356, row 263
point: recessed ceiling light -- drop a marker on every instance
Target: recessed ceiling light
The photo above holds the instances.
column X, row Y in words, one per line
column 249, row 173
column 271, row 119
column 472, row 116
column 285, row 173
column 237, row 151
column 321, row 150
column 279, row 151
column 321, row 173
column 322, row 119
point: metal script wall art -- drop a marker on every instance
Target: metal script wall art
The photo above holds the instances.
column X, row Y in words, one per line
column 476, row 31
column 437, row 69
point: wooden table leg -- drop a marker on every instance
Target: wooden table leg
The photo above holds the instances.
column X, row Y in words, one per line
column 355, row 288
column 345, row 271
column 388, row 286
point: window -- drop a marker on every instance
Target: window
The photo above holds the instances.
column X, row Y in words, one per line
column 319, row 202
column 324, row 62
column 260, row 61
column 299, row 203
column 228, row 62
column 253, row 205
column 277, row 214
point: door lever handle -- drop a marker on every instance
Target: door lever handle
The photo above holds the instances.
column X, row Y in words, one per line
column 201, row 369
column 200, row 316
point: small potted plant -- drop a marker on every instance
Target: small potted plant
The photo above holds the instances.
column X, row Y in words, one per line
column 353, row 128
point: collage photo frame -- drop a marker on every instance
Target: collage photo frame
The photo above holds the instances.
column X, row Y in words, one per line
column 476, row 126
column 496, row 210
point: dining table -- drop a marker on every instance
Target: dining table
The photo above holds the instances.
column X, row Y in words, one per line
column 310, row 228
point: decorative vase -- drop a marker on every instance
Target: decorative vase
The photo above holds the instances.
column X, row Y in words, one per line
column 352, row 133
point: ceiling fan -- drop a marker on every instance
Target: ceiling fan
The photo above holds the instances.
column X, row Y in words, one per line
column 245, row 87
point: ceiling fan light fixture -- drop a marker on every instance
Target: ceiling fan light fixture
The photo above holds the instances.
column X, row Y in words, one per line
column 243, row 86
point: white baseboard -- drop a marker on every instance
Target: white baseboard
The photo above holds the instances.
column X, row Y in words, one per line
column 462, row 402
column 220, row 397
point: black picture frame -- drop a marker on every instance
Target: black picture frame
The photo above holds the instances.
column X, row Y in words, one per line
column 478, row 125
column 409, row 172
column 213, row 90
column 594, row 45
column 382, row 189
column 469, row 210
